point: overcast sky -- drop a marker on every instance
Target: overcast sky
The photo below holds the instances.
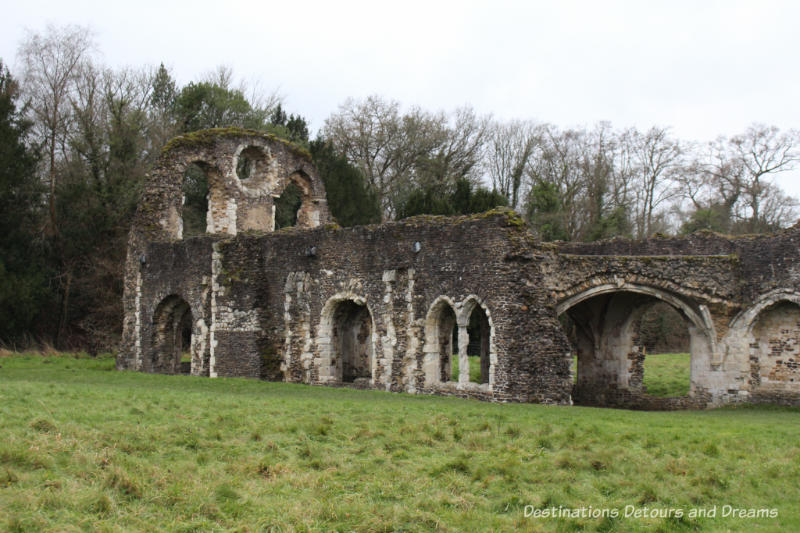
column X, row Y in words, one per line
column 703, row 68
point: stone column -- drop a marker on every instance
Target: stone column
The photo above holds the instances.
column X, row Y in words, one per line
column 463, row 359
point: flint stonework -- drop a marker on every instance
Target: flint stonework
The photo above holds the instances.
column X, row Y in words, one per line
column 389, row 306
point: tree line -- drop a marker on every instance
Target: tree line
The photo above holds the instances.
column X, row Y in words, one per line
column 77, row 138
column 571, row 184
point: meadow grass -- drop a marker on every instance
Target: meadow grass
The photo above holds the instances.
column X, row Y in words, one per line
column 85, row 447
column 665, row 374
column 474, row 368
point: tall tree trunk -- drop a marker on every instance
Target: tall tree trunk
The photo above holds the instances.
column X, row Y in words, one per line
column 62, row 325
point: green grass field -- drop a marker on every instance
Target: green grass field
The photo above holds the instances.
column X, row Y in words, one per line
column 84, row 447
column 665, row 374
column 474, row 368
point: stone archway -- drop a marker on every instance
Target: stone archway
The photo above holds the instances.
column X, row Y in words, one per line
column 476, row 341
column 173, row 337
column 610, row 356
column 299, row 186
column 347, row 351
column 775, row 348
column 768, row 332
column 439, row 349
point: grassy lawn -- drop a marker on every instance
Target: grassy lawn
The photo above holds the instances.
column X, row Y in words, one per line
column 665, row 374
column 84, row 447
column 474, row 368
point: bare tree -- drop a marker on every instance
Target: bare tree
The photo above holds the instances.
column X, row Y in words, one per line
column 762, row 151
column 460, row 142
column 622, row 184
column 657, row 158
column 384, row 145
column 560, row 163
column 367, row 132
column 511, row 146
column 729, row 181
column 50, row 63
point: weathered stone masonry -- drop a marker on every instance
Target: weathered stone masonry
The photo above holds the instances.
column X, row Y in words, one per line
column 391, row 306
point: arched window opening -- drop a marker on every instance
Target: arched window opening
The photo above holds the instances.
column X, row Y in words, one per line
column 195, row 200
column 441, row 363
column 352, row 342
column 287, row 206
column 447, row 343
column 172, row 337
column 478, row 346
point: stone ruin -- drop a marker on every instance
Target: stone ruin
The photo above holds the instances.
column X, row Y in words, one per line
column 400, row 306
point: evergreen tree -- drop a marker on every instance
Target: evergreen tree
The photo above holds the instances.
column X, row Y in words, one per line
column 482, row 199
column 278, row 116
column 715, row 218
column 23, row 280
column 463, row 200
column 545, row 212
column 164, row 91
column 298, row 129
column 614, row 224
column 208, row 105
column 350, row 201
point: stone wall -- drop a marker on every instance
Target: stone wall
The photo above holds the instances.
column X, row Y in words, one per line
column 389, row 306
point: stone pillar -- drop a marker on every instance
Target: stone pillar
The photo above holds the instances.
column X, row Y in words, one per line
column 463, row 359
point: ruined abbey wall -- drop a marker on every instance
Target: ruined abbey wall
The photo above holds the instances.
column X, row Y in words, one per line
column 401, row 306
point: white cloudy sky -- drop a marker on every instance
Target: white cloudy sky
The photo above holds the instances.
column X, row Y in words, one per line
column 703, row 67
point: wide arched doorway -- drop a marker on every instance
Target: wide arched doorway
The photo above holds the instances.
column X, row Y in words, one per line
column 615, row 332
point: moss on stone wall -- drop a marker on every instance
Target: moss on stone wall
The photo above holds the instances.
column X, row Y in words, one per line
column 208, row 137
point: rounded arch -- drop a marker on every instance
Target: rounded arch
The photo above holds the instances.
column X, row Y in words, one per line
column 699, row 316
column 174, row 333
column 768, row 333
column 195, row 191
column 440, row 324
column 746, row 319
column 610, row 358
column 300, row 178
column 294, row 201
column 346, row 341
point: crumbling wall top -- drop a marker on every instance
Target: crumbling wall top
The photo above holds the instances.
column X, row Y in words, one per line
column 246, row 171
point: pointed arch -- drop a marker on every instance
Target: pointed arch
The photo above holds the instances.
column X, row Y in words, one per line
column 440, row 324
column 476, row 339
